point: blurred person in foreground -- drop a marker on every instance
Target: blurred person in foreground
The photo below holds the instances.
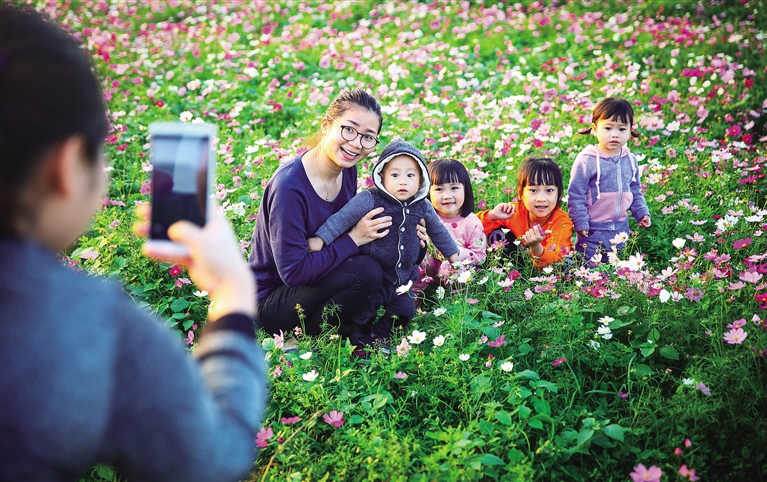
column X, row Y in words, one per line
column 85, row 375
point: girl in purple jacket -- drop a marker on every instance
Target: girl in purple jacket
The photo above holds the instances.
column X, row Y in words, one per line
column 604, row 183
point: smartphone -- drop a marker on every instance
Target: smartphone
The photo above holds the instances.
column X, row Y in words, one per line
column 183, row 167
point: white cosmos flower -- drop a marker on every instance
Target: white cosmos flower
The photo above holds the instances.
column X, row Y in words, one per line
column 310, row 377
column 604, row 330
column 439, row 340
column 463, row 357
column 417, row 337
column 440, row 293
column 664, row 295
column 482, row 281
column 595, row 344
column 201, row 293
column 404, row 288
column 507, row 366
column 440, row 311
column 306, row 356
column 606, row 320
column 678, row 243
column 464, row 277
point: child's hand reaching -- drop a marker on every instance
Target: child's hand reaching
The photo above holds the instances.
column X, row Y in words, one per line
column 583, row 233
column 533, row 239
column 645, row 222
column 314, row 244
column 502, row 212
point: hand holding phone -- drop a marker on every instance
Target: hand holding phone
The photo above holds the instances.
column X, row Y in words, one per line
column 183, row 161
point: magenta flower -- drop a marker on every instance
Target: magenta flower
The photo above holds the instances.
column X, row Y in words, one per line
column 741, row 243
column 175, row 270
column 290, row 420
column 623, row 394
column 642, row 474
column 694, row 294
column 263, row 436
column 559, row 361
column 735, row 336
column 334, row 418
column 498, row 342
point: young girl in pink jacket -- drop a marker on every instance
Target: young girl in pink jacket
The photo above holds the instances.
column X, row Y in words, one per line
column 453, row 199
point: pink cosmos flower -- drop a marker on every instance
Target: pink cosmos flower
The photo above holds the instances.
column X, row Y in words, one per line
column 751, row 277
column 263, row 436
column 688, row 473
column 642, row 474
column 704, row 389
column 400, row 375
column 290, row 420
column 735, row 336
column 694, row 294
column 334, row 418
column 741, row 243
column 175, row 270
column 559, row 361
column 497, row 343
column 737, row 323
column 687, row 443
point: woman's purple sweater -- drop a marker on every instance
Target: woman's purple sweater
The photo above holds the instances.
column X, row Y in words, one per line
column 290, row 213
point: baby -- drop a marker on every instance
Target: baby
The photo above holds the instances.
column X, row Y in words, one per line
column 401, row 186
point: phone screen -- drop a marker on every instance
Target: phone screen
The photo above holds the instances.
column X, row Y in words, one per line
column 179, row 181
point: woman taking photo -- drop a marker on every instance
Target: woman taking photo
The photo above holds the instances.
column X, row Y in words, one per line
column 86, row 375
column 296, row 287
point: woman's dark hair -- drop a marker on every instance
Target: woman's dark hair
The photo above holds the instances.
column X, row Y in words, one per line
column 345, row 100
column 613, row 108
column 539, row 171
column 48, row 93
column 448, row 171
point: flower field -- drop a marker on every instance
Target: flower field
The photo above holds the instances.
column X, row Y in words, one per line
column 650, row 367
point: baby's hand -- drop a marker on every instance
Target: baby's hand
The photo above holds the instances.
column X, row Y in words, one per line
column 502, row 212
column 645, row 222
column 583, row 233
column 456, row 258
column 314, row 244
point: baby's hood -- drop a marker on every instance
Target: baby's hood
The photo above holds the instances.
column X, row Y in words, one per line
column 395, row 148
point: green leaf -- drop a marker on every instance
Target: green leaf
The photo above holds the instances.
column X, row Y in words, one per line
column 528, row 374
column 535, row 423
column 480, row 385
column 585, row 435
column 524, row 411
column 641, row 370
column 647, row 351
column 503, row 417
column 516, row 456
column 268, row 344
column 356, row 419
column 486, row 427
column 490, row 459
column 178, row 316
column 524, row 348
column 179, row 304
column 542, row 406
column 614, row 431
column 669, row 352
column 492, row 316
column 552, row 387
column 104, row 471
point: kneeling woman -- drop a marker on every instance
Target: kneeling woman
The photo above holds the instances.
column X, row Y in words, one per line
column 294, row 286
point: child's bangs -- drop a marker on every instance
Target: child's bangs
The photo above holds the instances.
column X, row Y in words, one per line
column 541, row 176
column 447, row 173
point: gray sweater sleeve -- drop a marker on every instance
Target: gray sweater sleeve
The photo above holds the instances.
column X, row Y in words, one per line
column 346, row 218
column 438, row 233
column 177, row 417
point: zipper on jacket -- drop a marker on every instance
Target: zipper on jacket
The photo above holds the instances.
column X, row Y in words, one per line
column 399, row 245
column 620, row 194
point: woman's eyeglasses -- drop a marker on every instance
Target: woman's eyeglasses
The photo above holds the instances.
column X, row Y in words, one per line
column 349, row 133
